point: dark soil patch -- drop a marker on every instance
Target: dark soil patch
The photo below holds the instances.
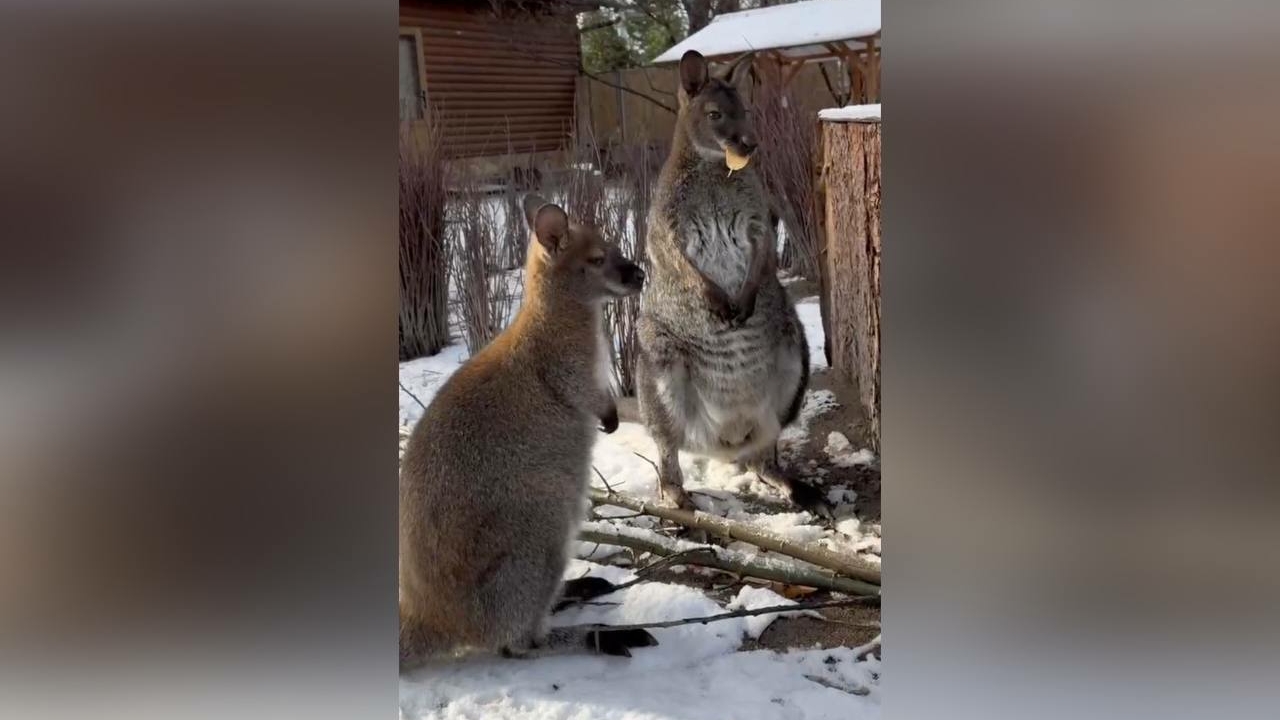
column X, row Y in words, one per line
column 848, row 420
column 843, row 627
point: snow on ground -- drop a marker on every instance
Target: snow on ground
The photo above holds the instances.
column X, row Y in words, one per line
column 811, row 318
column 696, row 671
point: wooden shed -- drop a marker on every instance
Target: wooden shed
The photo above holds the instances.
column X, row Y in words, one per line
column 489, row 83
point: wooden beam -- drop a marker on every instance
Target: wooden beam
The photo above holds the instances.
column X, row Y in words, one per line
column 857, row 82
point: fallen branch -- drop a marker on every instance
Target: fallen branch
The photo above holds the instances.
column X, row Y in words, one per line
column 732, row 530
column 866, row 651
column 798, row 607
column 774, row 569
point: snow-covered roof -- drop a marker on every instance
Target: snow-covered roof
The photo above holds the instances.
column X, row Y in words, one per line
column 851, row 113
column 796, row 31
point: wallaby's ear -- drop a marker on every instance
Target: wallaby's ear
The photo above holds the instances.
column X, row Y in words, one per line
column 739, row 70
column 532, row 203
column 548, row 221
column 693, row 72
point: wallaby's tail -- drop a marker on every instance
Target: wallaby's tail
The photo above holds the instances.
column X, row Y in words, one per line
column 595, row 638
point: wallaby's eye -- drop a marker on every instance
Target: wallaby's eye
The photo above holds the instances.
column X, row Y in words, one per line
column 597, row 261
column 714, row 115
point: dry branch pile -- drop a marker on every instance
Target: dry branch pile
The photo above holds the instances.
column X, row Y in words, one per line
column 818, row 566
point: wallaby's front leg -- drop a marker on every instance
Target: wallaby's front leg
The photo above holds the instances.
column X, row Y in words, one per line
column 718, row 301
column 696, row 282
column 761, row 253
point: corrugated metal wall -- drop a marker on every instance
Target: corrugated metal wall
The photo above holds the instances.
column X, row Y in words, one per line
column 496, row 84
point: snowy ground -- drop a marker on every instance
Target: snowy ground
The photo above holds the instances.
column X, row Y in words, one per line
column 696, row 671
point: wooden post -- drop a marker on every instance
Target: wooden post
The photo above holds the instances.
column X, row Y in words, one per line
column 873, row 71
column 857, row 78
column 819, row 211
column 851, row 181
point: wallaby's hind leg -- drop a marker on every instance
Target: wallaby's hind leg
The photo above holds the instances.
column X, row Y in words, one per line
column 765, row 465
column 671, row 478
column 510, row 609
column 575, row 638
column 661, row 388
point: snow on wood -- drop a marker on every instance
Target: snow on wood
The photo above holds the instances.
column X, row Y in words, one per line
column 792, row 29
column 852, row 113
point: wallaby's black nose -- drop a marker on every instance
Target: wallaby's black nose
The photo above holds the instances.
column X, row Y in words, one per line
column 633, row 275
column 748, row 144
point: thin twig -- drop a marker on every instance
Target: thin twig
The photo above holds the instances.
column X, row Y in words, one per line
column 410, row 394
column 652, row 464
column 601, row 476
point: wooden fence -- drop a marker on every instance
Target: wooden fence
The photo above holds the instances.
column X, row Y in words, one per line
column 625, row 107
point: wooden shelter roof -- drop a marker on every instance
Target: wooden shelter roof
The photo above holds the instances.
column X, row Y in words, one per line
column 798, row 32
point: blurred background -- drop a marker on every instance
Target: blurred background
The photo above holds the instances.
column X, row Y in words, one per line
column 197, row 316
column 198, row 302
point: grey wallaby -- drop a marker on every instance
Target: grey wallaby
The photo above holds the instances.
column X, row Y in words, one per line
column 493, row 481
column 724, row 362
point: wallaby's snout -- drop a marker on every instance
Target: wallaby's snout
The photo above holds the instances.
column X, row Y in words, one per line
column 631, row 278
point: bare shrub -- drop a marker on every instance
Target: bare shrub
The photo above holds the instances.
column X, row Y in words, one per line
column 636, row 167
column 786, row 157
column 611, row 189
column 486, row 292
column 424, row 253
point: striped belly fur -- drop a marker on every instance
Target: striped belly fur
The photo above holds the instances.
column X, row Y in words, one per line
column 728, row 403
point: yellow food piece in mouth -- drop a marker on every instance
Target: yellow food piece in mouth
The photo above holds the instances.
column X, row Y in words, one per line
column 734, row 160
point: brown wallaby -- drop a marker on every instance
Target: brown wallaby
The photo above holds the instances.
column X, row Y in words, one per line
column 723, row 363
column 493, row 481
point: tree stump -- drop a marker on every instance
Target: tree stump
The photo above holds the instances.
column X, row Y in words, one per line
column 850, row 182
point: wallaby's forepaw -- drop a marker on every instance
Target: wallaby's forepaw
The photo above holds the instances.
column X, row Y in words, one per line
column 719, row 302
column 609, row 421
column 583, row 589
column 618, row 642
column 743, row 310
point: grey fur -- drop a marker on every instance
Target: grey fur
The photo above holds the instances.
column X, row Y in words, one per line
column 493, row 481
column 724, row 362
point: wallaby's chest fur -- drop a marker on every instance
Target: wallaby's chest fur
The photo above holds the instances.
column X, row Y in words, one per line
column 716, row 218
